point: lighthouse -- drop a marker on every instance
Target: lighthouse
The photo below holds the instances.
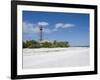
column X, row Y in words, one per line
column 41, row 37
column 41, row 33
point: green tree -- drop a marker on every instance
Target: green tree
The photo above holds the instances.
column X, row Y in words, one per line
column 62, row 44
column 24, row 45
column 31, row 44
column 47, row 45
column 36, row 44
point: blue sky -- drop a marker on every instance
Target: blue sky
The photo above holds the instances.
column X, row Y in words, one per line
column 71, row 27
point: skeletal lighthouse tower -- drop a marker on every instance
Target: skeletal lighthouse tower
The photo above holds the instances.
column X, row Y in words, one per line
column 41, row 33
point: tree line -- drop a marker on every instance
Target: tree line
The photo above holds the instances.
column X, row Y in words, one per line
column 36, row 44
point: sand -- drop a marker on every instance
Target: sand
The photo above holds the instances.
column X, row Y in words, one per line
column 56, row 57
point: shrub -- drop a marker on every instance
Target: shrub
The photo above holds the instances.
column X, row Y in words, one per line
column 36, row 44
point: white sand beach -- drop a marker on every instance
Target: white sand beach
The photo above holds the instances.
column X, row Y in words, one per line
column 56, row 57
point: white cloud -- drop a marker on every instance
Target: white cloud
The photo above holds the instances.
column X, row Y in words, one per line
column 43, row 23
column 34, row 28
column 68, row 25
column 28, row 27
column 62, row 25
column 58, row 25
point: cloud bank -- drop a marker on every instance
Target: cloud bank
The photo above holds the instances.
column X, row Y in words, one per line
column 34, row 27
